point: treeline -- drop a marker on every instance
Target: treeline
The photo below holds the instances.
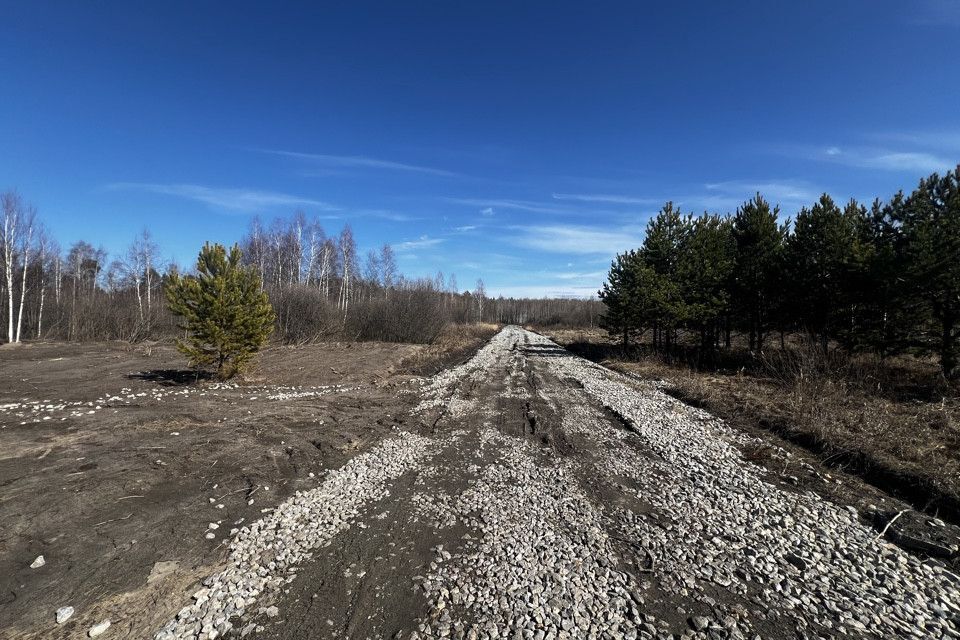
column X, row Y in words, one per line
column 546, row 312
column 314, row 280
column 320, row 286
column 883, row 278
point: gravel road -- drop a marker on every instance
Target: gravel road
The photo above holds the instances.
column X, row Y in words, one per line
column 533, row 494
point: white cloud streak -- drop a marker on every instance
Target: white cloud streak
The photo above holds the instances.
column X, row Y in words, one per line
column 903, row 161
column 607, row 198
column 776, row 191
column 228, row 199
column 879, row 158
column 575, row 239
column 360, row 162
column 423, row 242
column 518, row 205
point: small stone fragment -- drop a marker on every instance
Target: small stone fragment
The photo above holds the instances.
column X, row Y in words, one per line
column 98, row 629
column 699, row 623
column 63, row 614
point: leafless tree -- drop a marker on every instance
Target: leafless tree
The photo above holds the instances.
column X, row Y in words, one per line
column 480, row 294
column 371, row 269
column 388, row 269
column 84, row 264
column 27, row 224
column 328, row 266
column 348, row 265
column 255, row 249
column 48, row 261
column 315, row 238
column 137, row 270
column 12, row 205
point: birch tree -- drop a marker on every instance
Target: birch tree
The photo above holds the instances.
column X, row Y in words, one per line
column 348, row 265
column 12, row 206
column 48, row 260
column 480, row 294
column 27, row 224
column 388, row 268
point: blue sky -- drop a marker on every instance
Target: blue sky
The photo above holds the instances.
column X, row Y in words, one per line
column 520, row 142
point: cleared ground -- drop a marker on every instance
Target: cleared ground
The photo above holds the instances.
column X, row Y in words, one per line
column 526, row 493
column 114, row 462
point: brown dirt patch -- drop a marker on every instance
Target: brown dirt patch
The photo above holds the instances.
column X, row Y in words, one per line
column 121, row 461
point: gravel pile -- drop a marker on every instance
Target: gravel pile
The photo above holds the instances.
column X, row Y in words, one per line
column 539, row 563
column 718, row 523
column 440, row 390
column 264, row 555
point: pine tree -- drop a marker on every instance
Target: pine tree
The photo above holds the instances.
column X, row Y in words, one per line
column 617, row 294
column 666, row 234
column 759, row 241
column 930, row 221
column 226, row 315
column 823, row 255
column 704, row 266
column 635, row 297
column 886, row 320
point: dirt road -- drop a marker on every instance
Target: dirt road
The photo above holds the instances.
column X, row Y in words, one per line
column 537, row 495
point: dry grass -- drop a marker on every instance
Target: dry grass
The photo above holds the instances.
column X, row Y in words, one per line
column 455, row 343
column 896, row 420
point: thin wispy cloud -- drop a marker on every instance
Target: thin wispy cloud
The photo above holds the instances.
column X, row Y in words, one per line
column 789, row 192
column 517, row 205
column 917, row 152
column 359, row 162
column 423, row 242
column 226, row 199
column 384, row 214
column 575, row 275
column 947, row 140
column 606, row 198
column 886, row 160
column 573, row 239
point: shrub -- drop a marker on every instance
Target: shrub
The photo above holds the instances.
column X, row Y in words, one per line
column 226, row 315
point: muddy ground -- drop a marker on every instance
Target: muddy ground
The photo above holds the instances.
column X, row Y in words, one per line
column 335, row 493
column 114, row 461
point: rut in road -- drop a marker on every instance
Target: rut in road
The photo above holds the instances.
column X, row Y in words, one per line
column 543, row 496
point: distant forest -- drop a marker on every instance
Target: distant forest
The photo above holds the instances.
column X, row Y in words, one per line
column 883, row 278
column 320, row 288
